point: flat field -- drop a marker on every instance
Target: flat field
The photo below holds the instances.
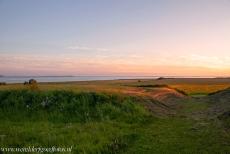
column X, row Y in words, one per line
column 188, row 85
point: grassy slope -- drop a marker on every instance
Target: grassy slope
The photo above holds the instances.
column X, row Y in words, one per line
column 89, row 122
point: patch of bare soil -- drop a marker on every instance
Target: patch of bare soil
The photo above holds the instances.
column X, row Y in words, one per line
column 159, row 100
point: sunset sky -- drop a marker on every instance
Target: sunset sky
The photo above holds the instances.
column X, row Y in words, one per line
column 115, row 37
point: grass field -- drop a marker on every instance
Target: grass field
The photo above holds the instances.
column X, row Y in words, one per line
column 117, row 116
column 188, row 85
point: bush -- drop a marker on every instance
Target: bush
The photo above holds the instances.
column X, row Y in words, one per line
column 26, row 83
column 2, row 83
column 32, row 81
column 33, row 84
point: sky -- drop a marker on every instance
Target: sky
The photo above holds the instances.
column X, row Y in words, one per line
column 115, row 37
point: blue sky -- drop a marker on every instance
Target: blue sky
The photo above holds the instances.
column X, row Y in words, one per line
column 115, row 37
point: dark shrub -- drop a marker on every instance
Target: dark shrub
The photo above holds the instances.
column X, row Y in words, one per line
column 2, row 83
column 26, row 83
column 32, row 81
column 33, row 84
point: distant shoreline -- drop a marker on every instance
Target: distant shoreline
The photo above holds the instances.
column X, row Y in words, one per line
column 154, row 76
column 59, row 79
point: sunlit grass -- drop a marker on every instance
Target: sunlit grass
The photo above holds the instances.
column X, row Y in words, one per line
column 196, row 89
column 120, row 86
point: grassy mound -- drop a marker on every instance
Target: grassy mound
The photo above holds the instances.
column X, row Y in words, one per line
column 219, row 106
column 66, row 106
column 219, row 93
column 225, row 118
column 88, row 122
column 219, row 101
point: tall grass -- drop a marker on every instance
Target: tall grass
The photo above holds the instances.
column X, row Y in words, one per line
column 67, row 106
column 90, row 122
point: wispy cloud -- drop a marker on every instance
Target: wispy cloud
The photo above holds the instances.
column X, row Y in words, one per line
column 85, row 48
column 195, row 64
column 205, row 61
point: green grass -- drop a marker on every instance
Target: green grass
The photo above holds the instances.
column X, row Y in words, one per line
column 225, row 119
column 90, row 137
column 104, row 123
column 66, row 106
column 178, row 135
column 89, row 122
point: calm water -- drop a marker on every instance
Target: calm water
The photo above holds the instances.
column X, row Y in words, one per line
column 69, row 78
